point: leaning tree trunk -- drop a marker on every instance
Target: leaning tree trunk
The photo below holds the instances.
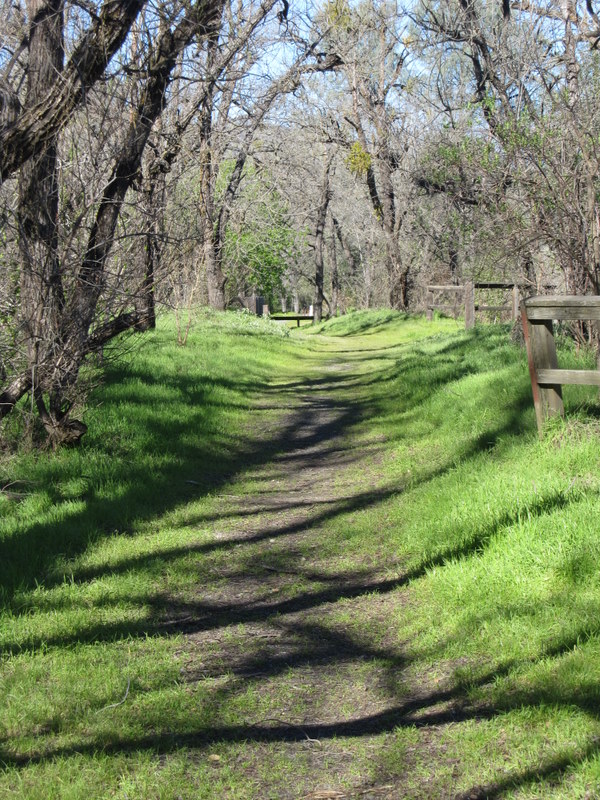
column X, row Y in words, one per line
column 77, row 331
column 38, row 125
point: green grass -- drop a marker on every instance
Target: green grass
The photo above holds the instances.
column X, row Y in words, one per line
column 474, row 546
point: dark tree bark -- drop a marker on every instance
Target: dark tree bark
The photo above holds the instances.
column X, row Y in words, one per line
column 42, row 296
column 154, row 200
column 335, row 278
column 40, row 121
column 321, row 218
column 80, row 310
column 60, row 329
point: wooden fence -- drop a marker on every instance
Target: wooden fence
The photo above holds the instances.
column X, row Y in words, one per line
column 297, row 318
column 468, row 299
column 547, row 379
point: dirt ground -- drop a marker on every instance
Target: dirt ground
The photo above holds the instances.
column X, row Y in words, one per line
column 345, row 713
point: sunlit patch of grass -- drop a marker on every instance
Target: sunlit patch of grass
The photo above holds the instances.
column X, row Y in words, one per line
column 168, row 423
column 466, row 551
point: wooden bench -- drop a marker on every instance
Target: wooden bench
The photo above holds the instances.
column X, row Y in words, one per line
column 292, row 317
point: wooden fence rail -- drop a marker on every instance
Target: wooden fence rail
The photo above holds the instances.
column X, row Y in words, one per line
column 470, row 306
column 547, row 379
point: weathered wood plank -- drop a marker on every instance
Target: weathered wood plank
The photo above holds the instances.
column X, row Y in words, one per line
column 514, row 314
column 291, row 317
column 492, row 308
column 469, row 306
column 562, row 307
column 562, row 314
column 449, row 288
column 496, row 284
column 573, row 377
column 543, row 350
column 535, row 389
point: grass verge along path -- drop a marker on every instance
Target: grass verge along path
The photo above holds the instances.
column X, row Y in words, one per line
column 328, row 565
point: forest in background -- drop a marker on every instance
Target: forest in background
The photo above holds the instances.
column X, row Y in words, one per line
column 339, row 154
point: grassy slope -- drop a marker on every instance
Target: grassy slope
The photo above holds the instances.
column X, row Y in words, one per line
column 498, row 535
column 490, row 540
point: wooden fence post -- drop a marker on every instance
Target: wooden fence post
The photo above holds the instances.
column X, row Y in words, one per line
column 541, row 354
column 515, row 303
column 429, row 305
column 469, row 305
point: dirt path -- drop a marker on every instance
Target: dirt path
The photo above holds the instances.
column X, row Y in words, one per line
column 312, row 645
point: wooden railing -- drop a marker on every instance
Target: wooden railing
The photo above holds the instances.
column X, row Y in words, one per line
column 547, row 379
column 432, row 305
column 468, row 300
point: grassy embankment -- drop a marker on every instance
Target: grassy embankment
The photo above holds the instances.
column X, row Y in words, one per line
column 484, row 540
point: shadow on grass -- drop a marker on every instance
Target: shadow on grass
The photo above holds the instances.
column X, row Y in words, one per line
column 328, row 409
column 315, row 645
column 169, row 616
column 190, row 469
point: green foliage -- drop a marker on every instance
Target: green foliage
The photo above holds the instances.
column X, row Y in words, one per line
column 226, row 168
column 259, row 243
column 262, row 255
column 339, row 15
column 358, row 160
column 522, row 133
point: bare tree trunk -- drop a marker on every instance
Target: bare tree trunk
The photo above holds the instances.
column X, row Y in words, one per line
column 335, row 278
column 353, row 262
column 398, row 275
column 215, row 279
column 324, row 199
column 60, row 331
column 154, row 197
column 42, row 297
column 153, row 201
column 380, row 186
column 38, row 124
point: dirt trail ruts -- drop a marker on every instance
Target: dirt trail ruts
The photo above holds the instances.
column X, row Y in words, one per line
column 283, row 614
